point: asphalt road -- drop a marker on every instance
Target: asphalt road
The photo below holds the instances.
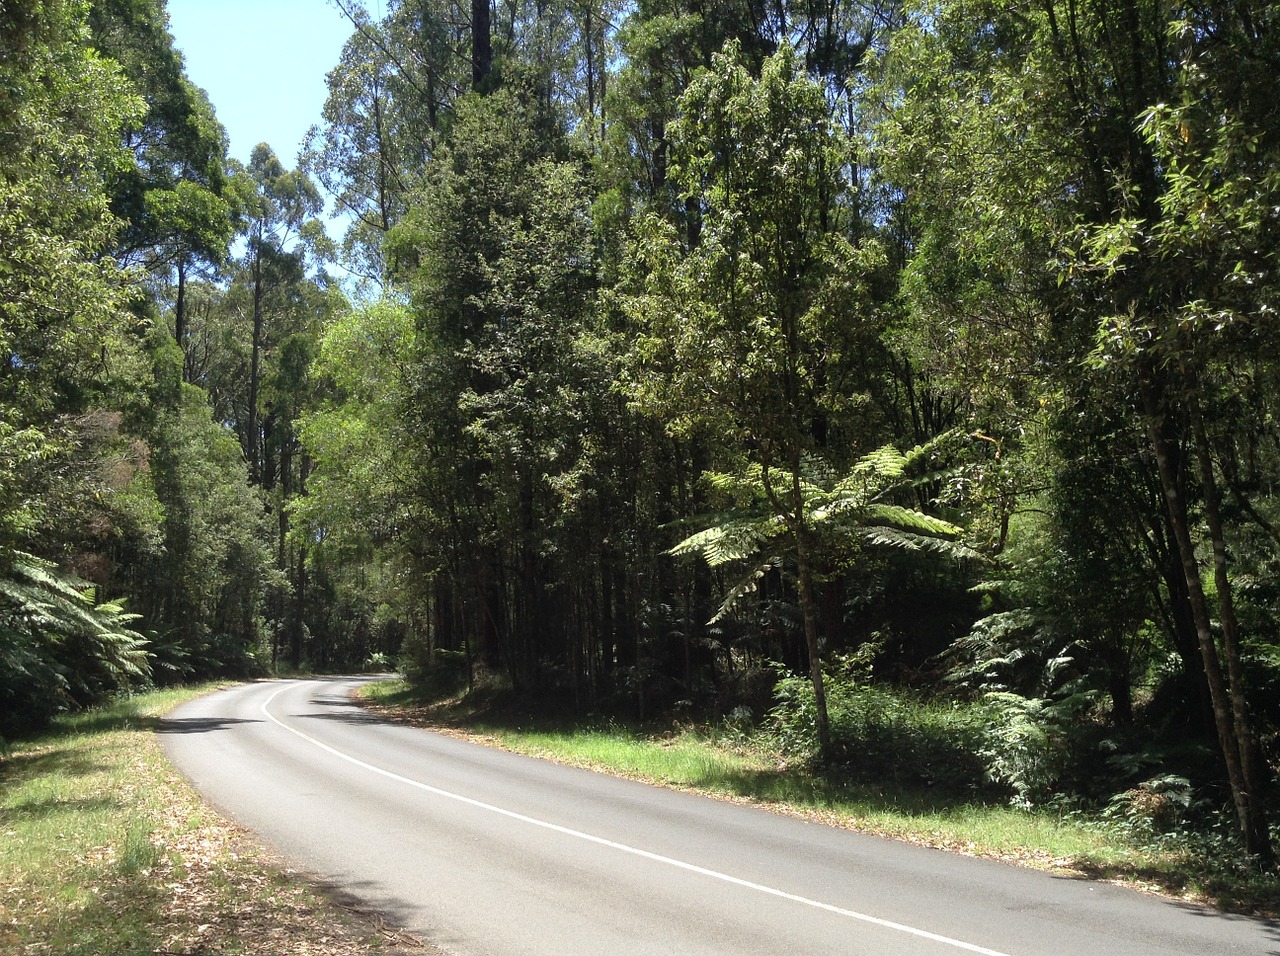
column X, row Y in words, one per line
column 485, row 853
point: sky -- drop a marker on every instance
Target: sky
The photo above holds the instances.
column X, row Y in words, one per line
column 263, row 65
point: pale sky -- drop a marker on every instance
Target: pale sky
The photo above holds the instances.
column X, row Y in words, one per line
column 263, row 64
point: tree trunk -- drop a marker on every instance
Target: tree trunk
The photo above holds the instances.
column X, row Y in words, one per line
column 795, row 519
column 255, row 372
column 1249, row 801
column 1221, row 696
column 481, row 44
column 807, row 604
column 180, row 315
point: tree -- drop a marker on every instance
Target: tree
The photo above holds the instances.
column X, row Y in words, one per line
column 174, row 214
column 388, row 94
column 856, row 507
column 281, row 210
column 748, row 327
column 1045, row 125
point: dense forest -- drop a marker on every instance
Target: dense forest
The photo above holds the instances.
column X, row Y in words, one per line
column 692, row 358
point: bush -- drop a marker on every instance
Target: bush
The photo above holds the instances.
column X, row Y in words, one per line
column 432, row 669
column 880, row 734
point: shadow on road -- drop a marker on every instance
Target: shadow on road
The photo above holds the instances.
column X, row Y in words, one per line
column 1269, row 926
column 342, row 711
column 387, row 914
column 199, row 725
column 344, row 717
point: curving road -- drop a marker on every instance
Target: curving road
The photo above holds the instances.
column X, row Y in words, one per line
column 490, row 854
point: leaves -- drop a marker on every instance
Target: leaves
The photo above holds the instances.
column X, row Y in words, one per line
column 58, row 646
column 829, row 505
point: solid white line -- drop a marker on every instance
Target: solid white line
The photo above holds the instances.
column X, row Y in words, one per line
column 624, row 848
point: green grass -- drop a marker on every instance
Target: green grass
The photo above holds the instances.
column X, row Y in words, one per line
column 104, row 848
column 78, row 820
column 752, row 768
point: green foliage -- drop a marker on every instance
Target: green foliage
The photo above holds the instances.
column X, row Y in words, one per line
column 1028, row 743
column 59, row 648
column 1155, row 807
column 745, row 331
column 848, row 513
column 207, row 587
column 881, row 735
column 356, row 435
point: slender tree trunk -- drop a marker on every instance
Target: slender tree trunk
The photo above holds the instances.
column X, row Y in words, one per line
column 589, row 54
column 1249, row 802
column 481, row 43
column 1219, row 693
column 795, row 519
column 255, row 371
column 298, row 622
column 804, row 575
column 180, row 315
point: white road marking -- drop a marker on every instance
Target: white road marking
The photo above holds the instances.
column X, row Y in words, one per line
column 624, row 848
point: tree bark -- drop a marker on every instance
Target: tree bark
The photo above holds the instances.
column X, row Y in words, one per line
column 795, row 519
column 255, row 372
column 180, row 315
column 1249, row 802
column 481, row 44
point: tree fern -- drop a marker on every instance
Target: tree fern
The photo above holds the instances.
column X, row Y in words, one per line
column 855, row 503
column 59, row 647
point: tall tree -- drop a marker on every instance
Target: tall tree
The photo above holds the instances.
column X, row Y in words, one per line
column 748, row 327
column 281, row 224
column 175, row 218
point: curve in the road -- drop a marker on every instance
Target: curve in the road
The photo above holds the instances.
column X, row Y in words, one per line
column 488, row 853
column 635, row 851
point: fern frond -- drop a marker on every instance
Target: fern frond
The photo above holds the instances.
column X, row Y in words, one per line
column 886, row 536
column 925, row 450
column 746, row 585
column 884, row 462
column 56, row 620
column 733, row 540
column 911, row 520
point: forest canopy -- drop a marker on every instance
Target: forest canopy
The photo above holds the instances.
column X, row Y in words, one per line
column 693, row 359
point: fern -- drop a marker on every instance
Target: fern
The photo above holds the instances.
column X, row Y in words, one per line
column 746, row 585
column 850, row 504
column 733, row 540
column 60, row 647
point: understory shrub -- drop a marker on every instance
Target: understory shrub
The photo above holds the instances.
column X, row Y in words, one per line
column 1027, row 743
column 882, row 734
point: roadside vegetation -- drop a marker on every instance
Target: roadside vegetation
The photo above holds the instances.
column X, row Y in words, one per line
column 687, row 368
column 105, row 849
column 934, row 775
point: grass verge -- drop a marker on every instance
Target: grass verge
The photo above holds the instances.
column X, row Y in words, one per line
column 104, row 848
column 752, row 769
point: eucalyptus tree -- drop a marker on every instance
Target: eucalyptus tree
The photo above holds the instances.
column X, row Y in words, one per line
column 394, row 85
column 281, row 228
column 175, row 216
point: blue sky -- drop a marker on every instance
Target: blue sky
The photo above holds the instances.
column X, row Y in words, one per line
column 263, row 64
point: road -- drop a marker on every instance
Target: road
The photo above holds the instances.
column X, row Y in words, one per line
column 486, row 853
